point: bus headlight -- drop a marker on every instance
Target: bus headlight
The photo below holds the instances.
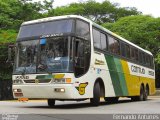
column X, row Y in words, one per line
column 62, row 80
column 17, row 82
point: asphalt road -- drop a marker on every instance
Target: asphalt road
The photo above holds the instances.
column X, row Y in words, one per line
column 125, row 105
column 39, row 110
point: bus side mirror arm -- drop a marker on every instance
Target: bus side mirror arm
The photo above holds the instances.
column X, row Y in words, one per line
column 9, row 59
column 9, row 54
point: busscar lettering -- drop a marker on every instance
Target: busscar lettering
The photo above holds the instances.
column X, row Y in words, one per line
column 137, row 69
column 51, row 35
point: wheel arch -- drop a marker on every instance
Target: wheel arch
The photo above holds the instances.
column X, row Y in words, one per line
column 102, row 86
column 142, row 84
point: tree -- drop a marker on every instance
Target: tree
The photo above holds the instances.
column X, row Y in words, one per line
column 7, row 36
column 143, row 31
column 14, row 12
column 98, row 12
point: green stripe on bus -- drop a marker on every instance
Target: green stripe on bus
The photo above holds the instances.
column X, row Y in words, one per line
column 121, row 76
column 114, row 75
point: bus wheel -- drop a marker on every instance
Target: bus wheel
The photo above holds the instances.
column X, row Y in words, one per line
column 141, row 96
column 111, row 99
column 96, row 95
column 51, row 102
column 146, row 93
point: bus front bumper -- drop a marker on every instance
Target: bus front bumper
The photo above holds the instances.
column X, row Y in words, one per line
column 59, row 91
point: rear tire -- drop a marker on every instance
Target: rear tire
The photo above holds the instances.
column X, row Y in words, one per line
column 141, row 97
column 146, row 93
column 51, row 102
column 96, row 95
column 142, row 93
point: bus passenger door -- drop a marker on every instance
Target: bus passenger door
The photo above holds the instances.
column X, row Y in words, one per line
column 81, row 56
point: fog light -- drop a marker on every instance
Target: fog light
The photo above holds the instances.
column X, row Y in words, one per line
column 59, row 90
column 17, row 90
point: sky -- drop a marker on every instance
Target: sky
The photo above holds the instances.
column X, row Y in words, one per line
column 151, row 7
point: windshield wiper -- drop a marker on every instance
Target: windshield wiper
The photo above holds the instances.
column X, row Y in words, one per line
column 42, row 67
column 23, row 71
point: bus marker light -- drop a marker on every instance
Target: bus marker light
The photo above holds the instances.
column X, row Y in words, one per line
column 17, row 90
column 23, row 99
column 68, row 80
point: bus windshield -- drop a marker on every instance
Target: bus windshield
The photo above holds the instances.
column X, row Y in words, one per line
column 46, row 28
column 44, row 55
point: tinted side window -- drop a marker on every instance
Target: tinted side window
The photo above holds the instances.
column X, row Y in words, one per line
column 127, row 51
column 140, row 57
column 123, row 51
column 82, row 29
column 116, row 47
column 133, row 57
column 111, row 44
column 151, row 62
column 96, row 38
column 103, row 42
column 147, row 60
column 136, row 54
column 143, row 58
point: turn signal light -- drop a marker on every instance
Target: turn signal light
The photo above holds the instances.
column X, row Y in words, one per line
column 68, row 80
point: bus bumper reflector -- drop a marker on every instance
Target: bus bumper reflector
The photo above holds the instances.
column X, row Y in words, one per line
column 23, row 99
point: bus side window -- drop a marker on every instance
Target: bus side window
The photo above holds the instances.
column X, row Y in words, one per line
column 136, row 54
column 96, row 38
column 151, row 62
column 111, row 44
column 116, row 47
column 127, row 51
column 123, row 52
column 103, row 42
column 133, row 57
column 147, row 60
column 141, row 57
column 82, row 29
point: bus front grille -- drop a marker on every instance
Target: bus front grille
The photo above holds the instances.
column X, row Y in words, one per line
column 38, row 81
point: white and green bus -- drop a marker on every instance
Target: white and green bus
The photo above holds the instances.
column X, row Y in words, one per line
column 72, row 58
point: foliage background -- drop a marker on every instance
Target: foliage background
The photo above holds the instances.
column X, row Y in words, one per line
column 128, row 22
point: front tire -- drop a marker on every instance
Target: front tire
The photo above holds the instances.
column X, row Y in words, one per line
column 96, row 95
column 51, row 102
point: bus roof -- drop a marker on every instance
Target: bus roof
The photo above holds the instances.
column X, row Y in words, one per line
column 55, row 18
column 87, row 20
